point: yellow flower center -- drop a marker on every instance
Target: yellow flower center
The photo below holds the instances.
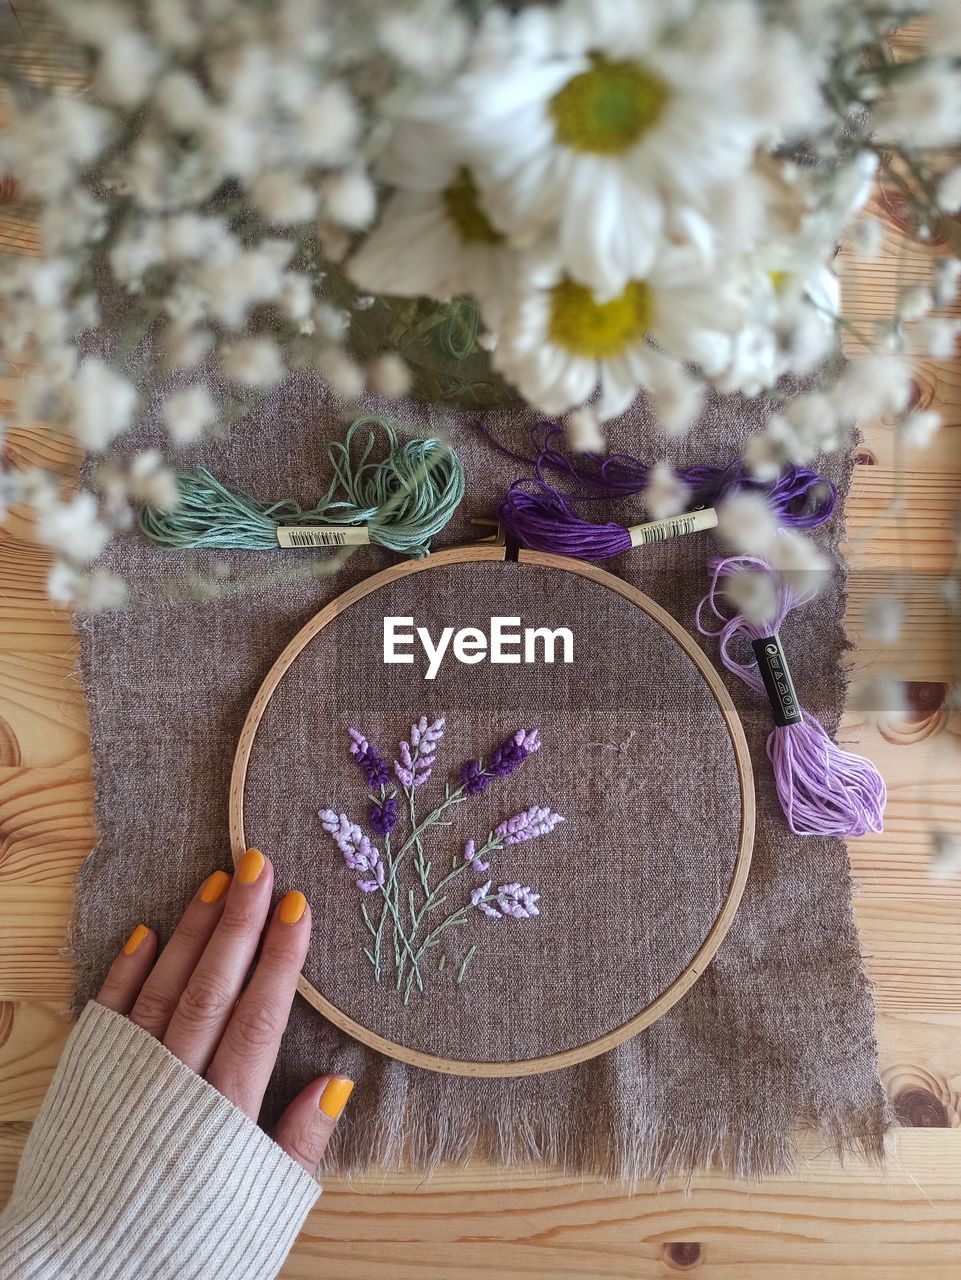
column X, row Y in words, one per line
column 607, row 109
column 599, row 330
column 779, row 280
column 462, row 206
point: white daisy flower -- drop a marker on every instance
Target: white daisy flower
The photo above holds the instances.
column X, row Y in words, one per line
column 614, row 130
column 558, row 341
column 434, row 236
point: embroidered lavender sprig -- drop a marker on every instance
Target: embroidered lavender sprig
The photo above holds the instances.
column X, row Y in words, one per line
column 476, row 775
column 418, row 755
column 533, row 822
column 515, row 900
column 370, row 760
column 383, row 816
column 358, row 852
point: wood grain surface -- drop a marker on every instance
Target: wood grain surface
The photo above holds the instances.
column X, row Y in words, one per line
column 827, row 1222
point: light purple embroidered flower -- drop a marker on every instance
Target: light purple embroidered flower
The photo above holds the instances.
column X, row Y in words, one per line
column 383, row 816
column 473, row 857
column 359, row 854
column 518, row 900
column 533, row 822
column 510, row 755
column 418, row 756
column 477, row 900
column 370, row 760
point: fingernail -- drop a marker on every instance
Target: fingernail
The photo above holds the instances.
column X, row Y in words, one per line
column 292, row 907
column 335, row 1095
column 215, row 886
column 136, row 939
column 251, row 865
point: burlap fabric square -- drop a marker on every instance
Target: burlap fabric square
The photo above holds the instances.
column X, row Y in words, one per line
column 778, row 1033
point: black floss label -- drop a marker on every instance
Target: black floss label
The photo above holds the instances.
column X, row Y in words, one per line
column 777, row 680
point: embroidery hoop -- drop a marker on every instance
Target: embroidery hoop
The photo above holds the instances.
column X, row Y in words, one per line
column 715, row 935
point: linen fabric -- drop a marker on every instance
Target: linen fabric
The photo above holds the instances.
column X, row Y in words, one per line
column 777, row 1034
column 136, row 1166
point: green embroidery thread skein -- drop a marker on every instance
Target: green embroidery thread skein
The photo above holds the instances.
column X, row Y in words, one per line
column 399, row 502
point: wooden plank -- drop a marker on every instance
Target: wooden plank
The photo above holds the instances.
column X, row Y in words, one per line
column 33, row 926
column 830, row 1221
column 42, row 707
column 912, row 949
column 46, row 823
column 32, row 1036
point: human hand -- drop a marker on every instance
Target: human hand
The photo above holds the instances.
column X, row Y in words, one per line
column 192, row 997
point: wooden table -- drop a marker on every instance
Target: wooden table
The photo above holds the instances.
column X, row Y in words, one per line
column 829, row 1222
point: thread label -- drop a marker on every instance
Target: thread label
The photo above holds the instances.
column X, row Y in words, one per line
column 322, row 535
column 776, row 675
column 646, row 535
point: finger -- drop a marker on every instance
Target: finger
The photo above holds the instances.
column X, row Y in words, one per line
column 162, row 990
column 127, row 973
column 213, row 988
column 248, row 1049
column 304, row 1129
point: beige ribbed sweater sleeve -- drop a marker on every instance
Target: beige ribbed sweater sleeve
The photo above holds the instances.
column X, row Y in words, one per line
column 137, row 1168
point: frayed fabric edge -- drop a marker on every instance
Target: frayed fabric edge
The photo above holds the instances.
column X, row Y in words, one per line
column 640, row 1154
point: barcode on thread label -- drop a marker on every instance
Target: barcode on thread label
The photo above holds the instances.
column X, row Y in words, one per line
column 646, row 535
column 321, row 536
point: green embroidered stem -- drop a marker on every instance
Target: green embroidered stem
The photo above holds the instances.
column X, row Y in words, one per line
column 465, row 964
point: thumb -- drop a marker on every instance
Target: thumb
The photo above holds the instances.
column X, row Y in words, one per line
column 304, row 1129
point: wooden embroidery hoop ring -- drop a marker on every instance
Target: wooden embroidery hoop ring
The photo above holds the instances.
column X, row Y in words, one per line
column 704, row 953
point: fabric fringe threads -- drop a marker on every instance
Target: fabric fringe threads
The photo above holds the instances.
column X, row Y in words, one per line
column 538, row 515
column 823, row 790
column 399, row 502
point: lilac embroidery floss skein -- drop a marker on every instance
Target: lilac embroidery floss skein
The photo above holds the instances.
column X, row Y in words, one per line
column 823, row 790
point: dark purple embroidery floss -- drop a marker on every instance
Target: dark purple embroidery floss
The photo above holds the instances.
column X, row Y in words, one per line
column 539, row 515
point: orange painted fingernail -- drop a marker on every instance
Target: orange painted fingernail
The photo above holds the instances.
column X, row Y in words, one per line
column 251, row 865
column 215, row 886
column 136, row 939
column 292, row 907
column 335, row 1095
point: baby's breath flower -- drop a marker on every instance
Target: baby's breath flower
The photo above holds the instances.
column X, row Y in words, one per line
column 882, row 619
column 94, row 590
column 187, row 414
column 747, row 523
column 73, row 528
column 945, row 854
column 389, row 376
column 665, row 494
column 102, row 405
column 920, row 427
column 350, row 199
column 327, row 125
column 346, row 378
column 252, row 362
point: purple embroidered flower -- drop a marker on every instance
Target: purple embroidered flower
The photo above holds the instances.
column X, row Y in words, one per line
column 477, row 900
column 533, row 822
column 418, row 756
column 518, row 901
column 358, row 852
column 383, row 817
column 473, row 857
column 510, row 755
column 370, row 760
